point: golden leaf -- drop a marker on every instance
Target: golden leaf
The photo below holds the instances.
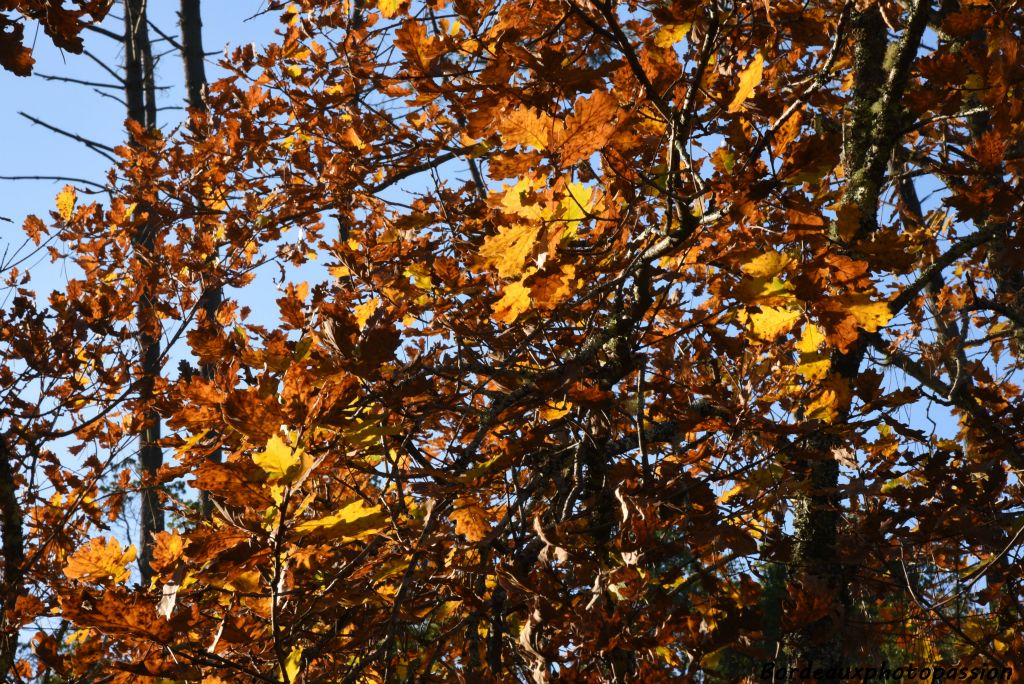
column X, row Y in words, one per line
column 515, row 301
column 512, row 200
column 510, row 248
column 168, row 548
column 768, row 265
column 833, row 396
column 101, row 560
column 389, row 8
column 280, row 462
column 471, row 520
column 527, row 127
column 292, row 664
column 750, row 77
column 66, row 202
column 354, row 520
column 669, row 35
column 362, row 312
column 811, row 339
column 772, row 322
column 575, row 206
column 763, row 291
column 869, row 315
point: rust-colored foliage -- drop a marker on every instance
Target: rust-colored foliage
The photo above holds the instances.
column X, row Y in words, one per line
column 612, row 342
column 62, row 24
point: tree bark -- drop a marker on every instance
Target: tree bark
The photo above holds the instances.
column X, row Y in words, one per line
column 141, row 100
column 191, row 24
column 13, row 540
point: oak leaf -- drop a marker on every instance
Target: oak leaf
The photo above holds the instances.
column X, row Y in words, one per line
column 101, row 561
column 514, row 301
column 750, row 77
column 280, row 462
column 471, row 520
column 510, row 248
column 355, row 520
column 66, row 199
column 772, row 322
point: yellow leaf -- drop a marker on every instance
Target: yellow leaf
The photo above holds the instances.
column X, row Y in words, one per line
column 291, row 664
column 364, row 311
column 811, row 339
column 833, row 397
column 671, row 34
column 354, row 520
column 749, row 79
column 763, row 291
column 280, row 462
column 247, row 582
column 515, row 301
column 768, row 265
column 512, row 200
column 870, row 315
column 510, row 248
column 814, row 366
column 772, row 322
column 736, row 489
column 388, row 8
column 575, row 206
column 471, row 520
column 101, row 560
column 555, row 410
column 66, row 202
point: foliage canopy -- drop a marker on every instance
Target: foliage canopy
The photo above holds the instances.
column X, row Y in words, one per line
column 647, row 341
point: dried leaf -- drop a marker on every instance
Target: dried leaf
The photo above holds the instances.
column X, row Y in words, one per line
column 750, row 77
column 101, row 561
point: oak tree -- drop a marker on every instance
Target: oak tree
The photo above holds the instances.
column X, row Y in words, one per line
column 614, row 341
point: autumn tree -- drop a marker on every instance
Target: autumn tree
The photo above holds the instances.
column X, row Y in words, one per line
column 613, row 342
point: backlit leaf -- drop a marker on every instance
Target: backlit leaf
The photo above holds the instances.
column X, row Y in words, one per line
column 101, row 560
column 750, row 77
column 66, row 199
column 772, row 322
column 354, row 520
column 510, row 248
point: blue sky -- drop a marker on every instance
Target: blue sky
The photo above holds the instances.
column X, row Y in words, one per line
column 29, row 149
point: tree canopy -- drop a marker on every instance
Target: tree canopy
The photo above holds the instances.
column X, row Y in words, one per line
column 613, row 341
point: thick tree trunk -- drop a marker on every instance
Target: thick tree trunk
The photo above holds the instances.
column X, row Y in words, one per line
column 11, row 584
column 191, row 20
column 141, row 100
column 880, row 75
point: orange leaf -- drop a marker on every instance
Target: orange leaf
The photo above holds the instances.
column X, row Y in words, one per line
column 471, row 520
column 527, row 127
column 588, row 129
column 101, row 561
column 750, row 77
column 515, row 301
column 509, row 249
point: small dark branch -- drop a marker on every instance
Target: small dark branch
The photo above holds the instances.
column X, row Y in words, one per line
column 103, row 65
column 958, row 250
column 97, row 147
column 68, row 79
column 66, row 179
column 105, row 32
column 985, row 304
column 175, row 44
